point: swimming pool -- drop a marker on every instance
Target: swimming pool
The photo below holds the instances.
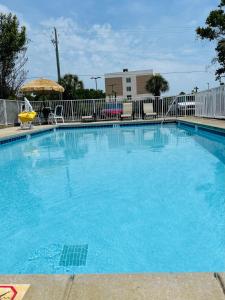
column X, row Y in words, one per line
column 146, row 198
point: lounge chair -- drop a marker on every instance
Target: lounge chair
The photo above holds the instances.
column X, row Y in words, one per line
column 127, row 111
column 57, row 115
column 89, row 118
column 148, row 110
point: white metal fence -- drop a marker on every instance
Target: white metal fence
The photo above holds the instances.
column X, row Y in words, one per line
column 100, row 109
column 211, row 103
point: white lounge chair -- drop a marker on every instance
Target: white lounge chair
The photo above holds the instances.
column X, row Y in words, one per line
column 127, row 111
column 89, row 118
column 57, row 115
column 148, row 110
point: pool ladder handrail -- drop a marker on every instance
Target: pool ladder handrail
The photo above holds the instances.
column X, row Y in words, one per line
column 171, row 105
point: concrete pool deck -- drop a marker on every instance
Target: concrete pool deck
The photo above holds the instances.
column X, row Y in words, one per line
column 11, row 132
column 189, row 286
column 168, row 286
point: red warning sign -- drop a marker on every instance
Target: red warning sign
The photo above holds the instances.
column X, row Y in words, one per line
column 7, row 292
column 13, row 291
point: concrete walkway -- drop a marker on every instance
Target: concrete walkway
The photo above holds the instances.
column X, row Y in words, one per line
column 16, row 131
column 191, row 286
column 204, row 121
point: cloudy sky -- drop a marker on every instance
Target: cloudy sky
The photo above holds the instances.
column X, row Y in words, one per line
column 98, row 37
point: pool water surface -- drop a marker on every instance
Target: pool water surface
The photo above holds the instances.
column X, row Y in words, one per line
column 129, row 199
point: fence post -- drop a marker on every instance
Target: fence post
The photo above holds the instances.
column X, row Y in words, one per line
column 72, row 110
column 94, row 108
column 18, row 109
column 5, row 113
column 194, row 110
column 139, row 108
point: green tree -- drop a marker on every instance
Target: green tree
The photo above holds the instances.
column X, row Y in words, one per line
column 90, row 94
column 215, row 31
column 71, row 84
column 157, row 85
column 13, row 46
column 74, row 89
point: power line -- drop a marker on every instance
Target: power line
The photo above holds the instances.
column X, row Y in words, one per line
column 110, row 29
column 160, row 30
column 102, row 75
column 185, row 72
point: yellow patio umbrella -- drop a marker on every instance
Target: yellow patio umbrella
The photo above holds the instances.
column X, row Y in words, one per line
column 42, row 85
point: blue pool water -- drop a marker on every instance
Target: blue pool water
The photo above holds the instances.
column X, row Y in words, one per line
column 113, row 200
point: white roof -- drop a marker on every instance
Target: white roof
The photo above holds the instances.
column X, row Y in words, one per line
column 129, row 73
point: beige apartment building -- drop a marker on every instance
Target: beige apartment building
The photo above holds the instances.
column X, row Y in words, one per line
column 127, row 84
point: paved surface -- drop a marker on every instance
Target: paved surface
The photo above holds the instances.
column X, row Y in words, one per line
column 154, row 287
column 191, row 286
column 204, row 121
column 15, row 131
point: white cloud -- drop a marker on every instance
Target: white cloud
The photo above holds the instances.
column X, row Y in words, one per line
column 100, row 49
column 4, row 9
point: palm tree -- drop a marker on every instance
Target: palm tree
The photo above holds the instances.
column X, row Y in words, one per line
column 157, row 85
column 71, row 84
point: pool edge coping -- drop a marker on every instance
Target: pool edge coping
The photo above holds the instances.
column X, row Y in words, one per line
column 33, row 132
column 190, row 285
column 209, row 127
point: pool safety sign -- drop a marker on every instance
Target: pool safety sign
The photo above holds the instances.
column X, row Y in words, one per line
column 13, row 291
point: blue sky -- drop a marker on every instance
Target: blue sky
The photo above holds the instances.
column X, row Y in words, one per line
column 98, row 37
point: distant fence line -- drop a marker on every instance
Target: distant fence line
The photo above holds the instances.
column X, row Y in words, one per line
column 210, row 103
column 73, row 110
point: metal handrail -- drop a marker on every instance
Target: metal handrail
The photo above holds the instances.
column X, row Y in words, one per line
column 175, row 99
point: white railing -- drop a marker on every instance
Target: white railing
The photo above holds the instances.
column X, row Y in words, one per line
column 100, row 109
column 211, row 103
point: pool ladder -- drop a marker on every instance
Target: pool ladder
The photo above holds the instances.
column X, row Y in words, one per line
column 171, row 105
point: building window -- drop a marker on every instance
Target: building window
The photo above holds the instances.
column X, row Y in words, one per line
column 128, row 80
column 129, row 97
column 128, row 88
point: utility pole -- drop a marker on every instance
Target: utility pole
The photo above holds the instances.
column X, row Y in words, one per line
column 56, row 45
column 96, row 81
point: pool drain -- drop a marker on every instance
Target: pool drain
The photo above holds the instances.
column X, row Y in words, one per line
column 73, row 255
